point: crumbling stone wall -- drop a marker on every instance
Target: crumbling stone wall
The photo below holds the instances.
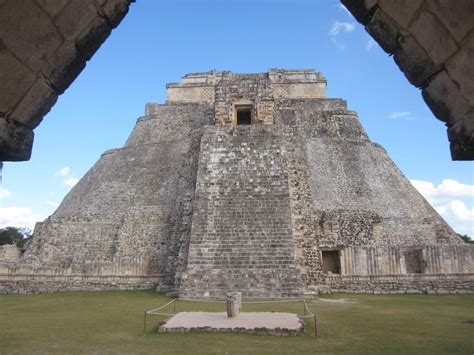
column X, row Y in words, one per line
column 344, row 190
column 130, row 214
column 305, row 222
column 44, row 45
column 440, row 284
column 38, row 283
column 432, row 41
column 10, row 252
column 203, row 206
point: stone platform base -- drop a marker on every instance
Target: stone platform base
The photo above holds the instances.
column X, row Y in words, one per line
column 46, row 283
column 271, row 323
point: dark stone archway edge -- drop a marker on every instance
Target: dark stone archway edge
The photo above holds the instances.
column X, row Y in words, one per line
column 433, row 44
column 44, row 45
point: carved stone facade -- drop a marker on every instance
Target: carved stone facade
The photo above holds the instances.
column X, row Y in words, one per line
column 228, row 92
column 252, row 182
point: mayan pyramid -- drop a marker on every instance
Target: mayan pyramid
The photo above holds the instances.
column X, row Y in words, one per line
column 250, row 182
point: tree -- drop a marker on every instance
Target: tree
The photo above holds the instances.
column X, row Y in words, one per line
column 14, row 235
column 466, row 238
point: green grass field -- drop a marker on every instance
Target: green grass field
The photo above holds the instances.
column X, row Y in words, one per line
column 112, row 322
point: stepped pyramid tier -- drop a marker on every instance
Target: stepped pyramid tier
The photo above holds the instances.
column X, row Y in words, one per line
column 255, row 183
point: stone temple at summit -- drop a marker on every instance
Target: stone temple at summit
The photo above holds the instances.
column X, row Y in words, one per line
column 255, row 183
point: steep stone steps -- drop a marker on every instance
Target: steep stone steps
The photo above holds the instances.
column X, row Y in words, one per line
column 241, row 237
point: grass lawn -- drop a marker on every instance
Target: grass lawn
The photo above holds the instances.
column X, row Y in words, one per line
column 112, row 322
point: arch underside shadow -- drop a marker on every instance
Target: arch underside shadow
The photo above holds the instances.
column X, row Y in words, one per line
column 431, row 41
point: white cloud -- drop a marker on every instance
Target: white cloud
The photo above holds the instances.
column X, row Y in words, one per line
column 400, row 115
column 4, row 192
column 445, row 198
column 459, row 210
column 370, row 44
column 338, row 28
column 66, row 171
column 445, row 191
column 71, row 181
column 18, row 217
column 459, row 216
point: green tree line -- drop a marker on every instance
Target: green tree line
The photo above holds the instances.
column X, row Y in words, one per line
column 15, row 235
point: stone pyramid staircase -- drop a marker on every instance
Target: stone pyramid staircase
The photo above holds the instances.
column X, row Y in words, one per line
column 241, row 236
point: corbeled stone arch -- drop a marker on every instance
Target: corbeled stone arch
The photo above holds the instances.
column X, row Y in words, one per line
column 44, row 45
column 432, row 41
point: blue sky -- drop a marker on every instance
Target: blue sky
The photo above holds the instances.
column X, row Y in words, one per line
column 160, row 41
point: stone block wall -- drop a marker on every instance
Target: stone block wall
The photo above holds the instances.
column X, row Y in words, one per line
column 448, row 259
column 297, row 84
column 364, row 199
column 432, row 41
column 434, row 269
column 45, row 45
column 47, row 283
column 440, row 284
column 239, row 89
column 131, row 213
column 10, row 252
column 241, row 233
column 394, row 260
column 203, row 207
column 345, row 190
column 227, row 90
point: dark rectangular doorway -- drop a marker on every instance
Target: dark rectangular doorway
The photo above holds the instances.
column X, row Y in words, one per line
column 331, row 262
column 414, row 261
column 244, row 116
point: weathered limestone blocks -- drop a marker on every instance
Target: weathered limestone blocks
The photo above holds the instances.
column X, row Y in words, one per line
column 241, row 237
column 345, row 190
column 396, row 260
column 433, row 43
column 266, row 195
column 45, row 45
column 15, row 139
column 230, row 91
column 440, row 284
column 269, row 323
column 9, row 252
column 47, row 283
column 130, row 214
column 433, row 269
column 348, row 178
